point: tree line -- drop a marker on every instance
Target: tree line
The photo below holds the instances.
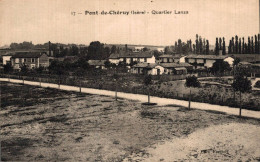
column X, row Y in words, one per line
column 238, row 45
column 201, row 46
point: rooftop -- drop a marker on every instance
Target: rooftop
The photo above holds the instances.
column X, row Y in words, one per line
column 175, row 65
column 128, row 54
column 212, row 57
column 27, row 54
column 96, row 62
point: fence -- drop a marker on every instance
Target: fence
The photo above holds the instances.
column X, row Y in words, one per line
column 125, row 84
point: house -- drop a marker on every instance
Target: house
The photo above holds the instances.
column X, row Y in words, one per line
column 114, row 58
column 166, row 58
column 251, row 58
column 147, row 68
column 162, row 68
column 98, row 64
column 30, row 59
column 207, row 61
column 176, row 68
column 130, row 57
column 7, row 58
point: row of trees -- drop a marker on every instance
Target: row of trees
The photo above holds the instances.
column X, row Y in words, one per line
column 238, row 45
column 201, row 46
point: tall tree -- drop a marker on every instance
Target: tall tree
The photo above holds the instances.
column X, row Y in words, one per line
column 204, row 46
column 239, row 46
column 200, row 45
column 229, row 47
column 249, row 46
column 197, row 43
column 252, row 45
column 224, row 47
column 232, row 45
column 179, row 48
column 220, row 43
column 246, row 49
column 207, row 47
column 256, row 45
column 236, row 44
column 190, row 45
column 243, row 45
column 217, row 47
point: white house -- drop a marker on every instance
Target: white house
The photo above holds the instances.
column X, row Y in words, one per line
column 30, row 59
column 130, row 57
column 147, row 68
column 98, row 64
column 207, row 61
column 171, row 58
column 176, row 68
column 162, row 68
column 7, row 58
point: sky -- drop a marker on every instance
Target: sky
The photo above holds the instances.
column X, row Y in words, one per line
column 41, row 21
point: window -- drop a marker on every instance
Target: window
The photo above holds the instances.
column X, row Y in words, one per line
column 145, row 59
column 24, row 60
column 33, row 60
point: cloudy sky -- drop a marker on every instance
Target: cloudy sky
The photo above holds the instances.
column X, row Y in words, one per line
column 42, row 20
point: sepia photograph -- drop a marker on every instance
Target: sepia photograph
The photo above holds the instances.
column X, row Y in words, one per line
column 130, row 80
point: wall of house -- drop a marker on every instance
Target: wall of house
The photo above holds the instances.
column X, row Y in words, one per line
column 168, row 71
column 182, row 59
column 30, row 62
column 167, row 60
column 114, row 61
column 43, row 61
column 151, row 60
column 230, row 60
column 6, row 59
column 176, row 60
column 209, row 63
column 154, row 71
column 191, row 60
column 200, row 61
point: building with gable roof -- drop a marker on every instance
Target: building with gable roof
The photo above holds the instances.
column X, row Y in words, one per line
column 30, row 59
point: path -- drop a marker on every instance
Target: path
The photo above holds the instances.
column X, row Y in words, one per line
column 143, row 98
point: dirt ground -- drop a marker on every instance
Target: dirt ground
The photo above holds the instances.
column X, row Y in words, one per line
column 49, row 125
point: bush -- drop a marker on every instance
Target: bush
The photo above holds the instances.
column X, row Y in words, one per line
column 257, row 84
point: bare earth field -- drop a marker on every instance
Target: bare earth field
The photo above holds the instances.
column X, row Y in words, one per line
column 50, row 125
